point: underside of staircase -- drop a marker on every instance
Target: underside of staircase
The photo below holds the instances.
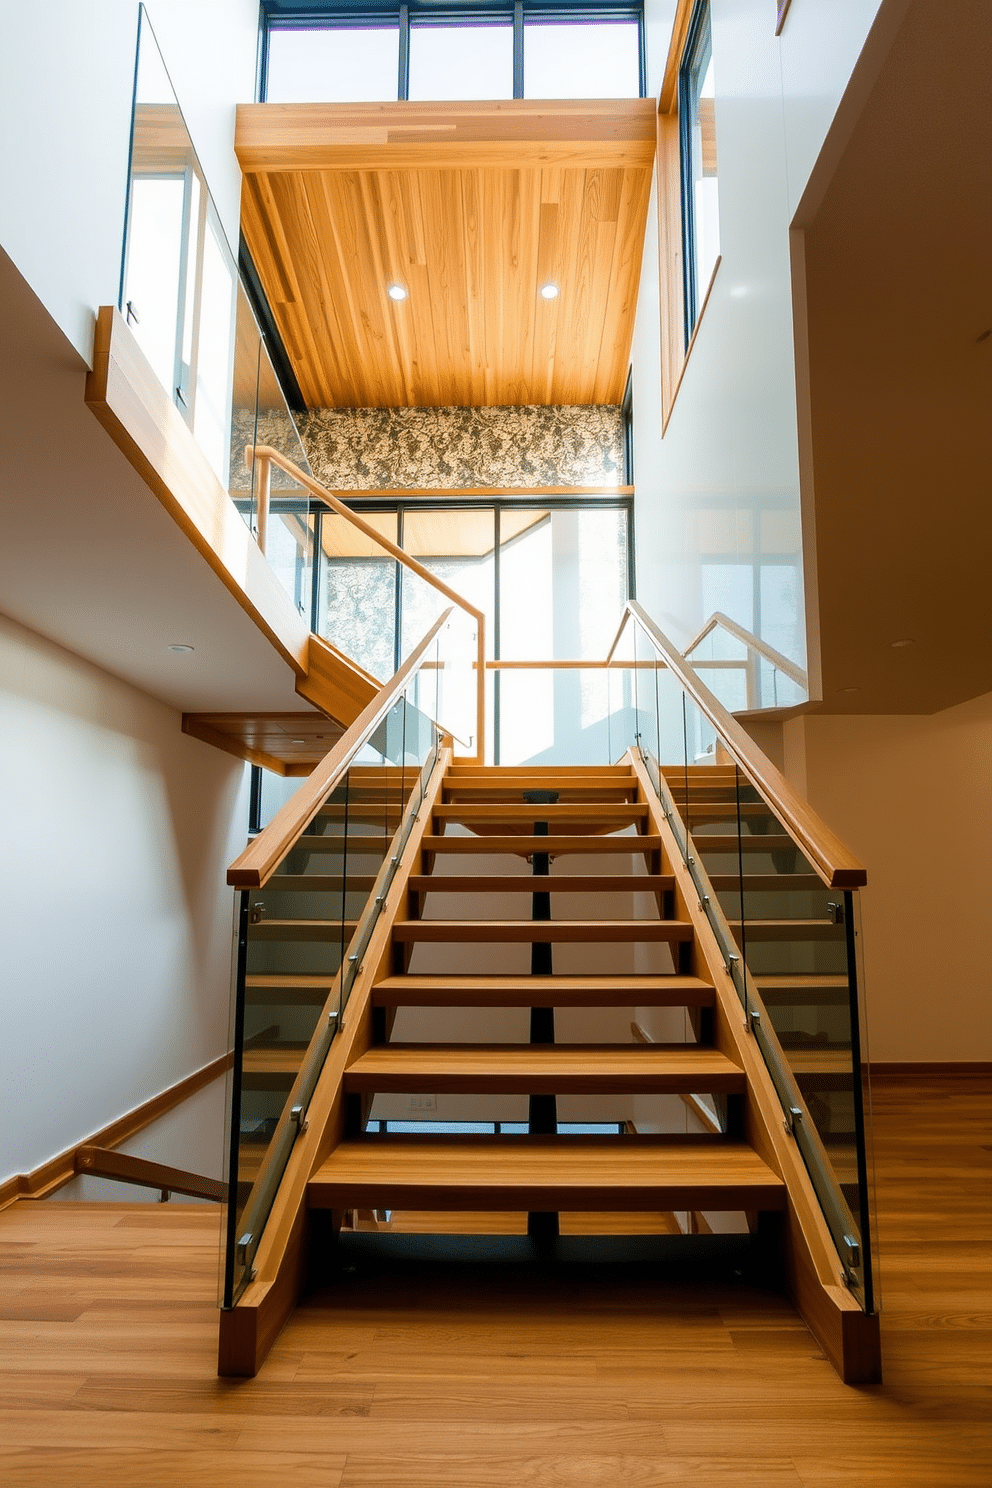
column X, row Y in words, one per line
column 541, row 924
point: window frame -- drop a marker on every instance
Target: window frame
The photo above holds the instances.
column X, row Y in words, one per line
column 298, row 15
column 678, row 332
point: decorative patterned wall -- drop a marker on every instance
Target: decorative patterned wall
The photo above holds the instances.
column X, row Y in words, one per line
column 375, row 449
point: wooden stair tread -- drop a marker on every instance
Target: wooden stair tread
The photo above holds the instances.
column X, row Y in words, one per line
column 321, row 883
column 814, row 1061
column 729, row 842
column 287, row 980
column 784, row 883
column 561, row 883
column 555, row 845
column 278, row 1059
column 356, row 842
column 545, row 1173
column 537, row 1069
column 546, row 991
column 788, row 929
column 477, row 790
column 322, row 930
column 621, row 814
column 504, row 931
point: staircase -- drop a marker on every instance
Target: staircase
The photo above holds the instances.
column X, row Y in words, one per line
column 563, row 842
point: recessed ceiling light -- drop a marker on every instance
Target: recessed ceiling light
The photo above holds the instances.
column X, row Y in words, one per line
column 898, row 645
column 297, row 741
column 397, row 292
column 180, row 648
column 549, row 291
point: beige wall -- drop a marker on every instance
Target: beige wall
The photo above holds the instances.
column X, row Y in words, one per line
column 117, row 919
column 912, row 796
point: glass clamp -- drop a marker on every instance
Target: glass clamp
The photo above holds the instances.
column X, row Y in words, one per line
column 241, row 1248
column 853, row 1251
column 835, row 912
column 793, row 1116
column 298, row 1117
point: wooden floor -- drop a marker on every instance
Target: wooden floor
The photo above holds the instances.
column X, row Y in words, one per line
column 108, row 1334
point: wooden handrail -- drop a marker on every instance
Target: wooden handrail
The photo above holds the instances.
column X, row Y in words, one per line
column 252, row 868
column 266, row 455
column 104, row 1162
column 827, row 854
column 776, row 658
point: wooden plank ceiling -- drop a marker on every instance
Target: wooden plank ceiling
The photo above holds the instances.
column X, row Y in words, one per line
column 471, row 208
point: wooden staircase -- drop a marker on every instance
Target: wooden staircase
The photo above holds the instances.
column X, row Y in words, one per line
column 575, row 872
column 601, row 821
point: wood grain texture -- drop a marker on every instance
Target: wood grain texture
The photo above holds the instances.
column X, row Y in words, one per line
column 531, row 1173
column 285, row 743
column 51, row 1175
column 536, row 1069
column 556, row 991
column 505, row 931
column 472, row 206
column 505, row 1379
column 130, row 402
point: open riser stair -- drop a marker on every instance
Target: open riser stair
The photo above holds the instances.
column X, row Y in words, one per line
column 545, row 1036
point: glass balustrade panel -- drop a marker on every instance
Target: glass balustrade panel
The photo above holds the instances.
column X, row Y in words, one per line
column 304, row 934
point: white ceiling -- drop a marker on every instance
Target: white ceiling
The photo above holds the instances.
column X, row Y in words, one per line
column 88, row 556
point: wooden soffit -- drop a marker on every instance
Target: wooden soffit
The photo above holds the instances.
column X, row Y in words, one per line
column 471, row 207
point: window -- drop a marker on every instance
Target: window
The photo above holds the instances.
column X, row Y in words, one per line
column 357, row 51
column 343, row 64
column 700, row 202
column 587, row 60
column 451, row 62
column 688, row 203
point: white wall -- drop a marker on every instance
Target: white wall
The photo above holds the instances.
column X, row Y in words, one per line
column 912, row 797
column 717, row 507
column 66, row 75
column 117, row 924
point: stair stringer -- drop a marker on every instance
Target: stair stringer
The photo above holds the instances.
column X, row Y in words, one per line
column 334, row 683
column 814, row 1271
column 249, row 1328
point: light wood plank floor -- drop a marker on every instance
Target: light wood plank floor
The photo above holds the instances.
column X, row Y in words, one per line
column 108, row 1329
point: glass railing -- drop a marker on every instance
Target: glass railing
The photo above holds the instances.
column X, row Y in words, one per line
column 182, row 297
column 743, row 671
column 303, row 931
column 372, row 596
column 786, row 919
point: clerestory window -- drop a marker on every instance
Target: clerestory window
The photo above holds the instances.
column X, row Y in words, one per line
column 359, row 51
column 700, row 201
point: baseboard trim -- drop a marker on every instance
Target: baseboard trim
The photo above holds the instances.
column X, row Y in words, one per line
column 51, row 1175
column 930, row 1069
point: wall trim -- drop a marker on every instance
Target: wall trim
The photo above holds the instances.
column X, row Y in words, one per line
column 51, row 1175
column 928, row 1069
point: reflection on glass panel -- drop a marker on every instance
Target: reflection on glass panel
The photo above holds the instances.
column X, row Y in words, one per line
column 458, row 547
column 334, row 65
column 563, row 582
column 596, row 60
column 289, row 548
column 525, row 618
column 461, row 62
column 154, row 268
column 214, row 353
column 702, row 207
column 357, row 592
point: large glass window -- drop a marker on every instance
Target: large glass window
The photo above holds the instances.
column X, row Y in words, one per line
column 589, row 60
column 551, row 581
column 452, row 62
column 337, row 64
column 457, row 50
column 700, row 198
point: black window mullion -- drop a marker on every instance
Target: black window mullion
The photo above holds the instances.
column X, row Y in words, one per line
column 403, row 84
column 518, row 49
